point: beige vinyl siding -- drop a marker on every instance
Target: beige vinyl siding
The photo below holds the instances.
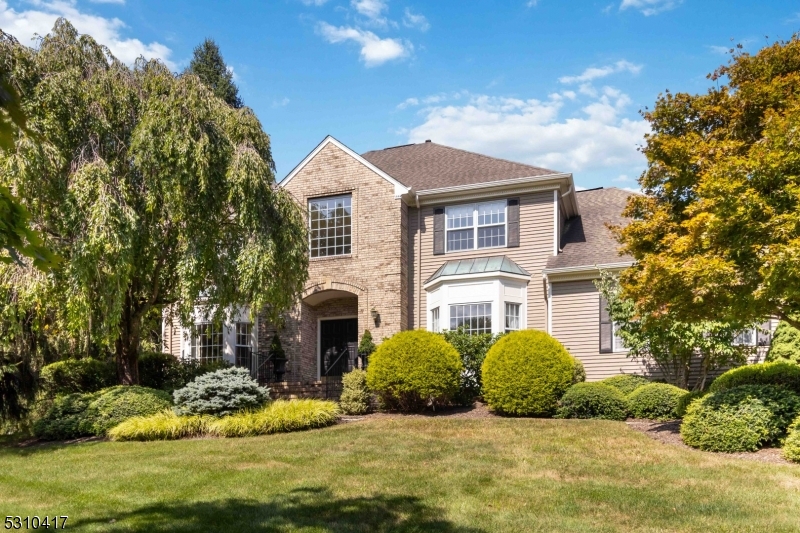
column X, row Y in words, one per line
column 172, row 336
column 575, row 322
column 536, row 245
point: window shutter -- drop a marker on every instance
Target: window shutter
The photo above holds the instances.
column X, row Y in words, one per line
column 764, row 334
column 513, row 222
column 606, row 328
column 438, row 231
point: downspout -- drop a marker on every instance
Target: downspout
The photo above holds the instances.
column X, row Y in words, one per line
column 419, row 264
column 548, row 298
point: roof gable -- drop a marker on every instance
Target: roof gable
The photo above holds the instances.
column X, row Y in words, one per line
column 399, row 188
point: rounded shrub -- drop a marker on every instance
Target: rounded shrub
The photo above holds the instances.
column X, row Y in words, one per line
column 656, row 401
column 785, row 345
column 783, row 373
column 739, row 419
column 117, row 404
column 413, row 370
column 525, row 373
column 686, row 400
column 66, row 418
column 76, row 375
column 791, row 446
column 626, row 383
column 220, row 393
column 355, row 398
column 593, row 400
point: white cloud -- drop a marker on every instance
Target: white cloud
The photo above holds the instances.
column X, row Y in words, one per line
column 650, row 7
column 594, row 73
column 374, row 50
column 721, row 50
column 373, row 11
column 415, row 20
column 24, row 24
column 531, row 3
column 597, row 137
column 107, row 1
column 408, row 102
column 622, row 178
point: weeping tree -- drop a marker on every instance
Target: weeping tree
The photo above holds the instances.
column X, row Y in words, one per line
column 154, row 192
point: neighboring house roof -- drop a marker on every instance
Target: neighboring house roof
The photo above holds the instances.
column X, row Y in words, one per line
column 429, row 165
column 586, row 240
column 478, row 265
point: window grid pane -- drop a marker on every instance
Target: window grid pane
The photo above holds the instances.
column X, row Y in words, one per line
column 460, row 217
column 207, row 343
column 512, row 316
column 474, row 318
column 460, row 240
column 330, row 226
column 491, row 213
column 244, row 344
column 491, row 236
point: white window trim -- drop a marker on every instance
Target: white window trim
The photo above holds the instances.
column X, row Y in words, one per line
column 505, row 315
column 329, row 198
column 436, row 325
column 475, row 225
column 753, row 330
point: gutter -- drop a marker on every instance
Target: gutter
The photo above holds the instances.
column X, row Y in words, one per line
column 587, row 268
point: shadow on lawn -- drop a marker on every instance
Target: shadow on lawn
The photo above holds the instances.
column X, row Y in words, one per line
column 314, row 508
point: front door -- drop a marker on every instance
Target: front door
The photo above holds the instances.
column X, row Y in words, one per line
column 334, row 336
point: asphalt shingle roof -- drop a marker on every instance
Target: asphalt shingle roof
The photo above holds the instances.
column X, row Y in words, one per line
column 586, row 240
column 429, row 165
column 478, row 265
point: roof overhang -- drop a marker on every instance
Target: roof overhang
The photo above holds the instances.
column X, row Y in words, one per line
column 562, row 182
column 400, row 190
column 583, row 272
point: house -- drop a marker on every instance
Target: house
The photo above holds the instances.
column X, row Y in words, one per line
column 428, row 236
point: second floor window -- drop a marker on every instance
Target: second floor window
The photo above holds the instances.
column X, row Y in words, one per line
column 330, row 221
column 475, row 226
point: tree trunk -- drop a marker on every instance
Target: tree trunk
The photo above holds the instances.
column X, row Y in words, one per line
column 127, row 349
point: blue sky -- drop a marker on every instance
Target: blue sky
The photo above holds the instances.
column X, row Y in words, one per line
column 552, row 83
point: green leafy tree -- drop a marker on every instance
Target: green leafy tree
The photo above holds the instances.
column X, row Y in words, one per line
column 208, row 65
column 668, row 344
column 156, row 194
column 785, row 344
column 717, row 233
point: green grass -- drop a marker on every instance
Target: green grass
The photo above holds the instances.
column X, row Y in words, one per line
column 403, row 474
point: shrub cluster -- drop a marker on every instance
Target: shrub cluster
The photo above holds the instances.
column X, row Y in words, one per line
column 739, row 419
column 76, row 375
column 165, row 372
column 781, row 373
column 785, row 345
column 355, row 398
column 686, row 400
column 277, row 417
column 656, row 401
column 791, row 446
column 626, row 383
column 526, row 373
column 414, row 370
column 472, row 349
column 83, row 414
column 220, row 393
column 593, row 400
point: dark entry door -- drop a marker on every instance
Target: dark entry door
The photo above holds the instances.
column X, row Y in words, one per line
column 334, row 336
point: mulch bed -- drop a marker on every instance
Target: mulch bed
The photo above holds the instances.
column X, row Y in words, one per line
column 669, row 433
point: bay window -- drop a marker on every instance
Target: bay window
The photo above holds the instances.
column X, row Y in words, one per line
column 474, row 318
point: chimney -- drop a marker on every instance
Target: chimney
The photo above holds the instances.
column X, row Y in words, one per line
column 427, row 140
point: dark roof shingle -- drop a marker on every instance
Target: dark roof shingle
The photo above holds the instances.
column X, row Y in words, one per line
column 586, row 240
column 429, row 165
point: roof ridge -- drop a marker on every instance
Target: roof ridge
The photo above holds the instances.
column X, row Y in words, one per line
column 492, row 157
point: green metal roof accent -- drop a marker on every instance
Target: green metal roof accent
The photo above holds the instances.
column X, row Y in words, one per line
column 478, row 265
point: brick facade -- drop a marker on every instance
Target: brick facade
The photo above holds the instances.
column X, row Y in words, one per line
column 374, row 276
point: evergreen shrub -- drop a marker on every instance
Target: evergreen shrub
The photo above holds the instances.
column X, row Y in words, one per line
column 220, row 393
column 415, row 370
column 593, row 400
column 626, row 383
column 525, row 373
column 656, row 401
column 740, row 419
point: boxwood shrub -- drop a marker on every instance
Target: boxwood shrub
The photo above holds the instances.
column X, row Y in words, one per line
column 76, row 375
column 686, row 400
column 525, row 374
column 783, row 373
column 220, row 393
column 656, row 401
column 117, row 404
column 593, row 400
column 355, row 398
column 740, row 419
column 791, row 446
column 626, row 383
column 414, row 370
column 66, row 418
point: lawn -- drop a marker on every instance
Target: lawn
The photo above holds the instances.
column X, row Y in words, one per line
column 403, row 474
